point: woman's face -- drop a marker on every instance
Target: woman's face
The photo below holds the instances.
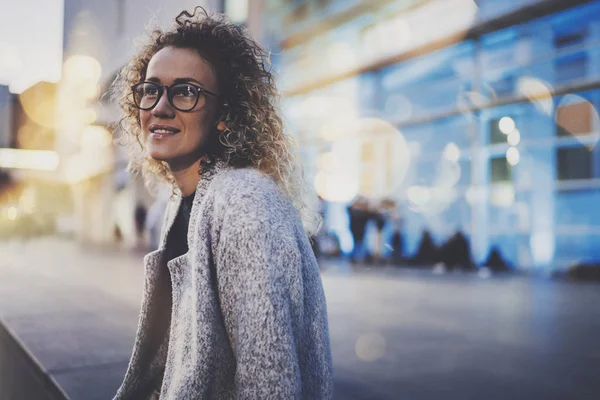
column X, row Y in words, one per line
column 174, row 136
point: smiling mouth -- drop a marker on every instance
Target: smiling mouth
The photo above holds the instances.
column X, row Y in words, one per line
column 160, row 131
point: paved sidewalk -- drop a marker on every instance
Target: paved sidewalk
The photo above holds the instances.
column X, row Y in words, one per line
column 75, row 309
column 395, row 334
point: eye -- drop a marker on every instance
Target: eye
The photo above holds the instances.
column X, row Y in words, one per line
column 149, row 90
column 184, row 90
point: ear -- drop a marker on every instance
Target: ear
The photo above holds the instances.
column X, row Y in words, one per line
column 221, row 126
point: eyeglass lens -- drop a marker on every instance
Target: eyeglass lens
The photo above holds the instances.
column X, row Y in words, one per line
column 183, row 96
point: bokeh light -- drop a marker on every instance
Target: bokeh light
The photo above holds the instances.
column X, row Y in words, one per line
column 502, row 195
column 42, row 160
column 578, row 117
column 514, row 137
column 452, row 152
column 506, row 125
column 89, row 116
column 512, row 156
column 336, row 187
column 430, row 200
column 95, row 137
column 469, row 101
column 83, row 70
column 326, row 162
column 418, row 195
column 475, row 195
column 538, row 92
column 12, row 213
column 315, row 106
column 448, row 174
column 370, row 347
column 33, row 136
column 39, row 104
column 27, row 200
column 335, row 129
column 542, row 246
column 341, row 56
column 399, row 108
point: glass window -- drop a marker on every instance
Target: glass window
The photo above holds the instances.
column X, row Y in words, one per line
column 574, row 118
column 500, row 170
column 499, row 129
column 571, row 67
column 503, row 86
column 573, row 163
column 569, row 39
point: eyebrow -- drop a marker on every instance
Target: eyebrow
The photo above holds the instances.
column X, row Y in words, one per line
column 178, row 80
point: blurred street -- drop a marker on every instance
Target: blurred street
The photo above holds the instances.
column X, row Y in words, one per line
column 396, row 334
column 452, row 135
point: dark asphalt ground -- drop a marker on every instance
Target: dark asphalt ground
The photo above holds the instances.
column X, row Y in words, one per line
column 396, row 334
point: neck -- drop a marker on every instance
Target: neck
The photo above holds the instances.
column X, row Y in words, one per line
column 186, row 178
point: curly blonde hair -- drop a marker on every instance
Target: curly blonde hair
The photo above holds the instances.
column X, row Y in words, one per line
column 254, row 135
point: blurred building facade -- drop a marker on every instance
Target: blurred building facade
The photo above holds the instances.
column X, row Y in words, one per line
column 5, row 116
column 6, row 100
column 479, row 117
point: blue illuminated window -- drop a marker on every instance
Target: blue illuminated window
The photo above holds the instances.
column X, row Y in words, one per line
column 500, row 170
column 571, row 67
column 496, row 135
column 574, row 115
column 573, row 163
column 568, row 39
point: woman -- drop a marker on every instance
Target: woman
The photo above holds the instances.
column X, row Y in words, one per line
column 233, row 304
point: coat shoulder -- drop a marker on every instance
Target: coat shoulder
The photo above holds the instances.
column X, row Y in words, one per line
column 247, row 185
column 253, row 198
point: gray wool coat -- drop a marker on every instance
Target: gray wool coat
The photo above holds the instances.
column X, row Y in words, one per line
column 242, row 314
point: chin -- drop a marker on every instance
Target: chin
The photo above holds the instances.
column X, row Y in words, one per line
column 159, row 154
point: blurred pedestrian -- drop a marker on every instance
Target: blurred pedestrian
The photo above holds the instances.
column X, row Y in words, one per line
column 359, row 216
column 394, row 216
column 377, row 214
column 140, row 223
column 233, row 305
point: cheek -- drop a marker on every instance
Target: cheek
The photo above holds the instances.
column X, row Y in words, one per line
column 198, row 125
column 144, row 117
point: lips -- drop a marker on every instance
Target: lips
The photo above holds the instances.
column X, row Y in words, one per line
column 163, row 129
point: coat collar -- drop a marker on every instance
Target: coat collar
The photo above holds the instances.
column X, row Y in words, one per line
column 207, row 175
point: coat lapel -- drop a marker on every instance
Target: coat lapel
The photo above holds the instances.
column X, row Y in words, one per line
column 152, row 337
column 206, row 177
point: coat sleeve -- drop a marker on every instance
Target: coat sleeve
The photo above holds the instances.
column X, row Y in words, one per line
column 258, row 264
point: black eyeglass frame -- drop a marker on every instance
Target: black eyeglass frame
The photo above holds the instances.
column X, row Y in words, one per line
column 161, row 90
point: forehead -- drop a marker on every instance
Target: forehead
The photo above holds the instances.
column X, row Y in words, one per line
column 171, row 63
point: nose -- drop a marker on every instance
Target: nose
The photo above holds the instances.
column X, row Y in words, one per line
column 163, row 109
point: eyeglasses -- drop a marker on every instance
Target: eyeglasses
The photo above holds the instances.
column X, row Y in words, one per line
column 182, row 96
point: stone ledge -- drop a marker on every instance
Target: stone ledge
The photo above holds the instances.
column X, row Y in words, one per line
column 21, row 375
